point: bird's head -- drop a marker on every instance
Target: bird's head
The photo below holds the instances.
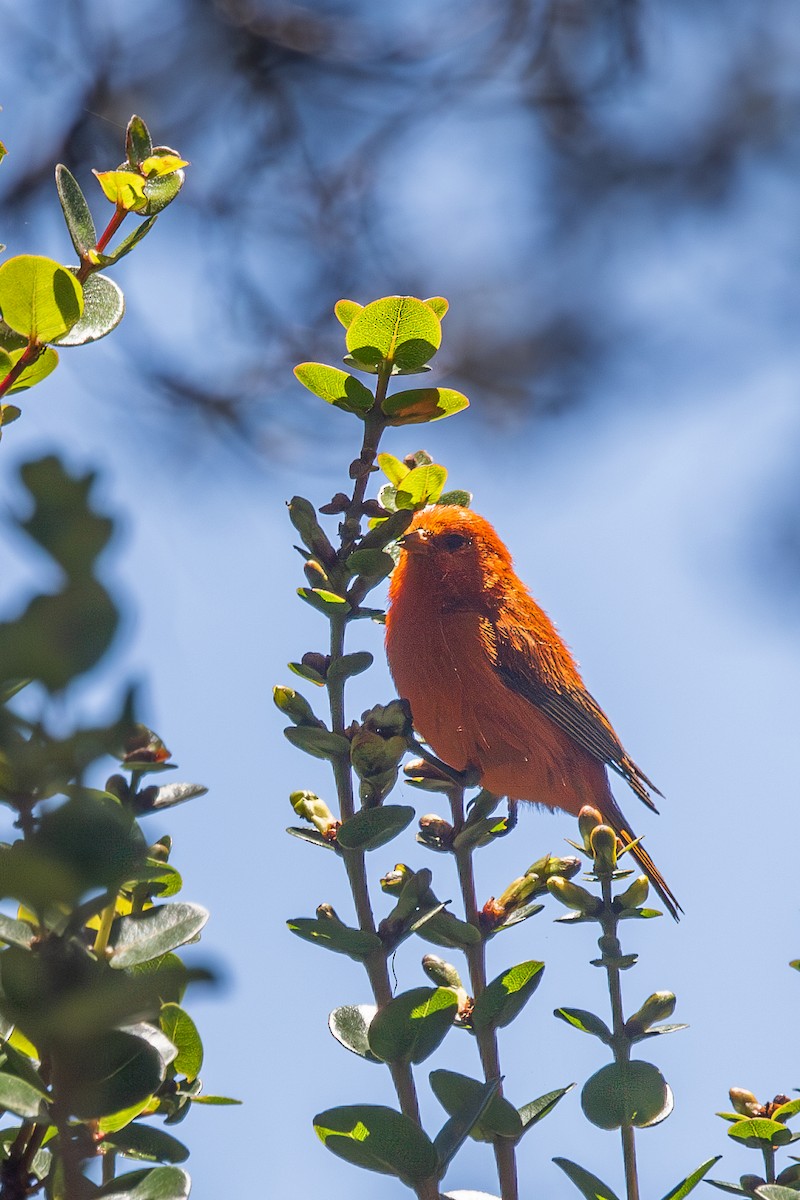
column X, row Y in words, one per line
column 456, row 551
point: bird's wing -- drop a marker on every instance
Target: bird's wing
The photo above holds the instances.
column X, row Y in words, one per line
column 542, row 671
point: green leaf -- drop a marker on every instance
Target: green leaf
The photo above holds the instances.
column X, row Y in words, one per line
column 336, row 387
column 144, row 1142
column 466, row 1119
column 104, row 308
column 394, row 470
column 488, row 1114
column 396, row 330
column 125, row 246
column 182, row 1032
column 308, row 673
column 219, row 1101
column 138, row 143
column 445, row 929
column 39, row 369
column 350, row 1024
column 774, row 1191
column 21, row 1098
column 325, row 602
column 732, row 1188
column 760, row 1132
column 688, row 1184
column 410, row 1027
column 537, row 1110
column 378, row 1139
column 355, row 943
column 374, row 827
column 76, row 211
column 310, row 835
column 320, row 743
column 107, row 1073
column 419, row 405
column 161, row 190
column 463, row 499
column 789, row 1109
column 16, row 933
column 160, row 1183
column 374, row 565
column 587, row 1184
column 155, row 932
column 346, row 311
column 93, row 838
column 349, row 664
column 587, row 1022
column 421, row 486
column 633, row 1093
column 506, row 995
column 38, row 297
column 438, row 304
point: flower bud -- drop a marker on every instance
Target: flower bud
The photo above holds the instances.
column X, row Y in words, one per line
column 574, row 896
column 304, row 518
column 744, row 1102
column 427, row 776
column 749, row 1183
column 550, row 865
column 309, row 807
column 634, row 895
column 588, row 819
column 315, row 574
column 118, row 786
column 442, row 973
column 658, row 1007
column 603, row 842
column 295, row 707
column 435, row 832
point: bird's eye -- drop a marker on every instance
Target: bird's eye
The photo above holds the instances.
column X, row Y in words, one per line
column 454, row 541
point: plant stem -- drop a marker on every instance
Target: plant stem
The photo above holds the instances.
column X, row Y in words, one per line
column 26, row 359
column 375, row 965
column 87, row 267
column 486, row 1038
column 769, row 1164
column 621, row 1044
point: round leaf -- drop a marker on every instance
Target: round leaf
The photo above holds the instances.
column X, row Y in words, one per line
column 141, row 1141
column 760, row 1132
column 419, row 405
column 182, row 1032
column 350, row 1024
column 506, row 995
column 39, row 369
column 104, row 308
column 346, row 311
column 20, row 1097
column 378, row 1139
column 457, row 1093
column 160, row 1183
column 632, row 1093
column 357, row 944
column 410, row 1027
column 397, row 330
column 38, row 297
column 336, row 387
column 373, row 827
column 156, row 931
column 108, row 1073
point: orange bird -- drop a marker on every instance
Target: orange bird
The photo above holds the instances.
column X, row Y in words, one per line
column 490, row 682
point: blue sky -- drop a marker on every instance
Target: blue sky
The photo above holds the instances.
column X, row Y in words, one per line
column 639, row 522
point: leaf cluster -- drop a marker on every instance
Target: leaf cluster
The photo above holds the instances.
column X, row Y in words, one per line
column 44, row 304
column 94, row 1039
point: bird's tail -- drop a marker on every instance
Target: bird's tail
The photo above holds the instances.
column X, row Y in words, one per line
column 613, row 814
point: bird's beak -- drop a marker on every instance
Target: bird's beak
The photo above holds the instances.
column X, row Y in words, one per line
column 415, row 541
